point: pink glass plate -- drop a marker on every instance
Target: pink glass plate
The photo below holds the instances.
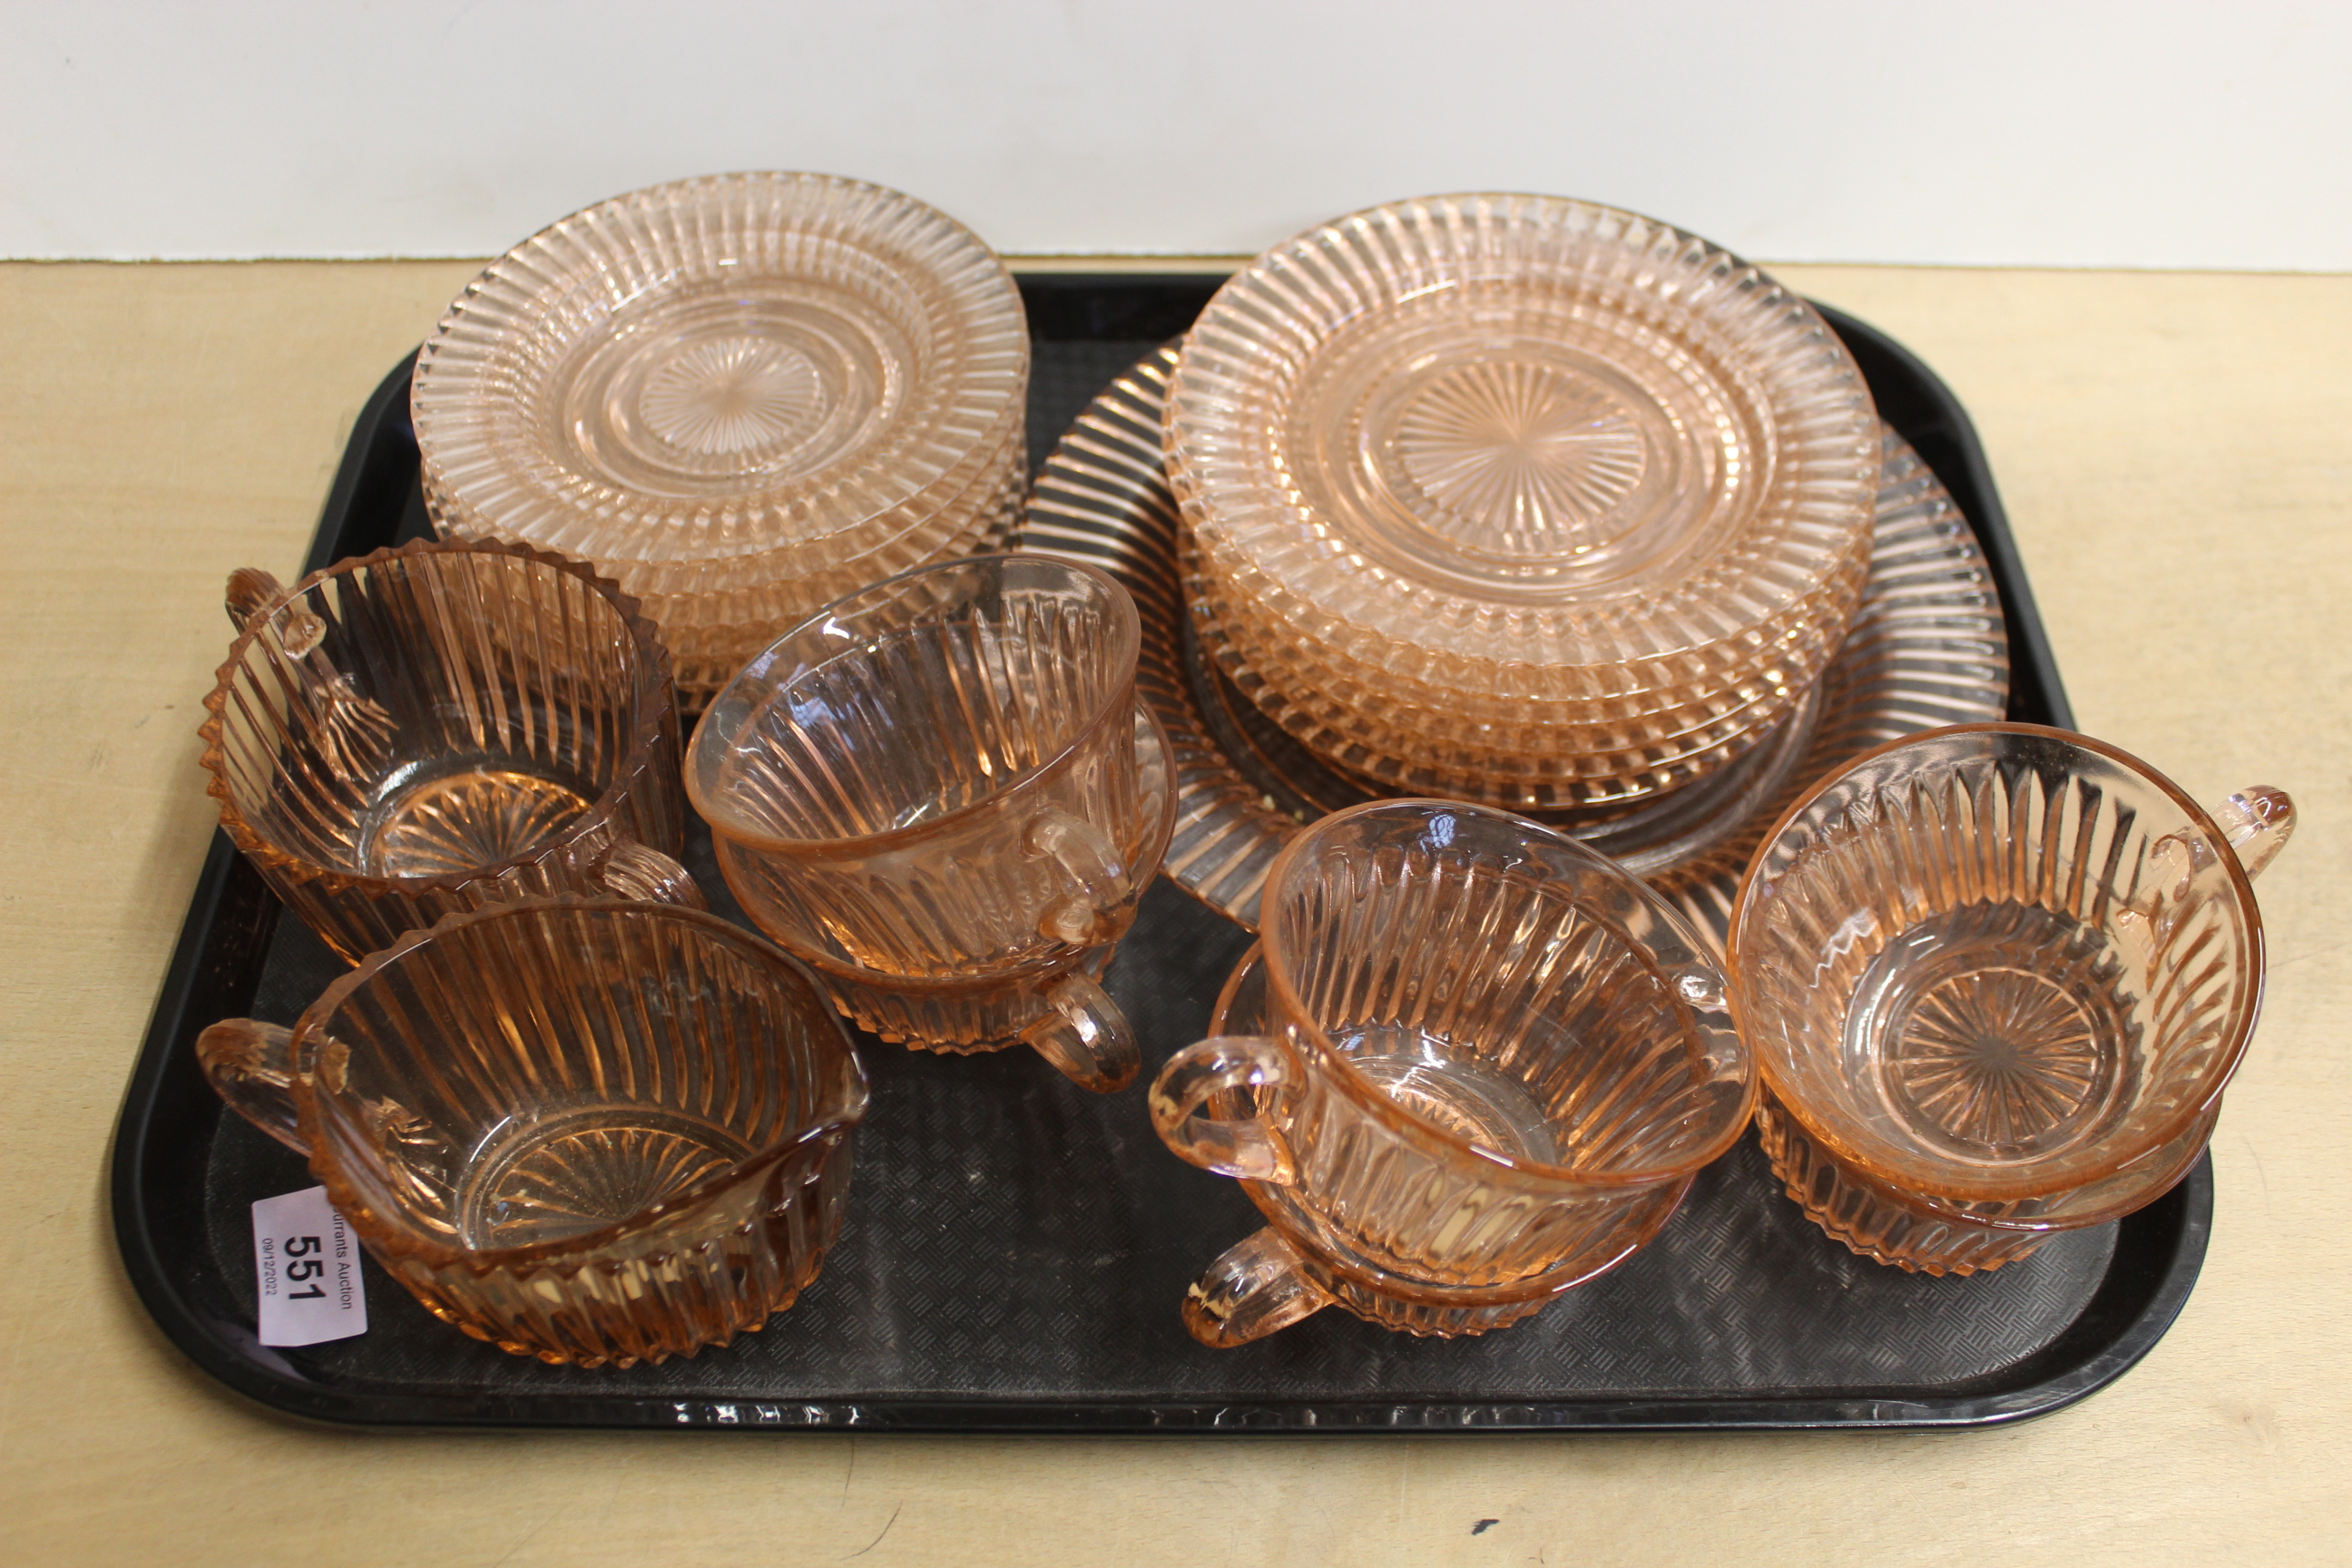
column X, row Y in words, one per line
column 1502, row 446
column 720, row 368
column 1927, row 647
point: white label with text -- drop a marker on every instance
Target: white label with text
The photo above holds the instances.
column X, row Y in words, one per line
column 307, row 1263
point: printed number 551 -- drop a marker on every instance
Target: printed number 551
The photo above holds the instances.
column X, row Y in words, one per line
column 309, row 1265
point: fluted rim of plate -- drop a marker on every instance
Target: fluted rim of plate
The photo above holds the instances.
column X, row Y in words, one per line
column 1260, row 326
column 467, row 428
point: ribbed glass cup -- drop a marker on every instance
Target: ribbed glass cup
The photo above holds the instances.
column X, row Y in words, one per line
column 942, row 787
column 441, row 726
column 1492, row 1061
column 1996, row 978
column 596, row 1134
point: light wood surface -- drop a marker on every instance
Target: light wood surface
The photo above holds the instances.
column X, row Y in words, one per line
column 2176, row 452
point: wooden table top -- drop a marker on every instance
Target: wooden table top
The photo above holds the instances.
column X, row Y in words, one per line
column 2175, row 454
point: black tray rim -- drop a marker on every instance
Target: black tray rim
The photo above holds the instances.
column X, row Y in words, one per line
column 217, row 962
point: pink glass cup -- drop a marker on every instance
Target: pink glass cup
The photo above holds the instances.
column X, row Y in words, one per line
column 1996, row 978
column 596, row 1134
column 1472, row 1065
column 441, row 726
column 941, row 794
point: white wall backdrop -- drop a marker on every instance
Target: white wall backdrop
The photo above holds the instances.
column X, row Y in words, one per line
column 2069, row 133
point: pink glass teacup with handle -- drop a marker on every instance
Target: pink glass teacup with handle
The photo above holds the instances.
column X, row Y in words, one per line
column 1472, row 1065
column 1996, row 977
column 596, row 1133
column 441, row 726
column 942, row 795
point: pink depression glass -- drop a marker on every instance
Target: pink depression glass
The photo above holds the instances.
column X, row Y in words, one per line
column 440, row 726
column 1502, row 458
column 1480, row 1065
column 595, row 1133
column 941, row 795
column 1996, row 977
column 741, row 395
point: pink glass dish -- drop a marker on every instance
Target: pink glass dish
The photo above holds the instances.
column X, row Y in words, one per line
column 595, row 1133
column 729, row 385
column 443, row 725
column 941, row 793
column 1474, row 449
column 1996, row 978
column 1485, row 1067
column 1927, row 646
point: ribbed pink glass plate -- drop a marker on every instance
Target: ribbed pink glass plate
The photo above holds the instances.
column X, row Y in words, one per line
column 1927, row 646
column 1490, row 447
column 735, row 395
column 716, row 367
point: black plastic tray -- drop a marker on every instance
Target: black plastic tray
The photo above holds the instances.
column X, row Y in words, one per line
column 1015, row 1249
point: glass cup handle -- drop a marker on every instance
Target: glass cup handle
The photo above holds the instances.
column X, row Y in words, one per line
column 644, row 875
column 2257, row 821
column 352, row 733
column 253, row 593
column 1085, row 1036
column 1089, row 860
column 1252, row 1149
column 250, row 1065
column 1152, row 781
column 1256, row 1288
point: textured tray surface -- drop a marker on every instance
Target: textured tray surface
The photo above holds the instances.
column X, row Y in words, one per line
column 1015, row 1249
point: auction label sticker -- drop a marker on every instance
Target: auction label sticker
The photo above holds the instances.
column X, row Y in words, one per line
column 307, row 1264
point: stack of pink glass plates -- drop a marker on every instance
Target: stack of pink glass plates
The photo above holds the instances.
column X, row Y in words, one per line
column 742, row 397
column 1927, row 646
column 1518, row 499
